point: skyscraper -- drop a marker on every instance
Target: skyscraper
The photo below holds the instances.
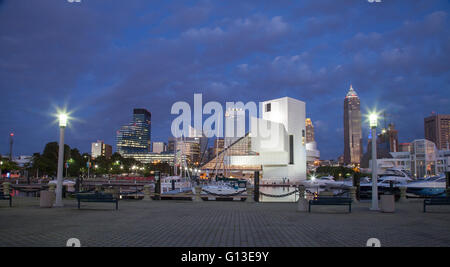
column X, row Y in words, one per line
column 388, row 139
column 309, row 131
column 352, row 128
column 99, row 148
column 135, row 137
column 159, row 147
column 437, row 130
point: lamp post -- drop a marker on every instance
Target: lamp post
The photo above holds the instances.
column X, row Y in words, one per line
column 59, row 184
column 373, row 121
column 1, row 163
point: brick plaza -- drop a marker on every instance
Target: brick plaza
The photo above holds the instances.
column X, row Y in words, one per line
column 212, row 223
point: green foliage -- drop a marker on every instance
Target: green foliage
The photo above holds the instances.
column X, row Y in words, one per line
column 46, row 163
column 8, row 165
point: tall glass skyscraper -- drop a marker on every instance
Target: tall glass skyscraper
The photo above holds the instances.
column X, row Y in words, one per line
column 135, row 137
column 352, row 129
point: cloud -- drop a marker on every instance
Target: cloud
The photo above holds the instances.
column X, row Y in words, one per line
column 106, row 59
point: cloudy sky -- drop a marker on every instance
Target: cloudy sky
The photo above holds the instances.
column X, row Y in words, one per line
column 102, row 58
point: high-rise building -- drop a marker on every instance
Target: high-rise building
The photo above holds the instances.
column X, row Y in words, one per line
column 159, row 147
column 388, row 139
column 309, row 131
column 352, row 129
column 404, row 147
column 99, row 149
column 437, row 130
column 135, row 137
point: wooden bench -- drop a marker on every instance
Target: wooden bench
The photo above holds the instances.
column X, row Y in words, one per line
column 97, row 197
column 435, row 201
column 6, row 197
column 331, row 201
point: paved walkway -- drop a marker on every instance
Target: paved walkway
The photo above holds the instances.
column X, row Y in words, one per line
column 178, row 223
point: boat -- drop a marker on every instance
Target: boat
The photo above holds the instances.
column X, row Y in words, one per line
column 225, row 186
column 430, row 187
column 175, row 185
column 396, row 174
column 70, row 185
column 326, row 182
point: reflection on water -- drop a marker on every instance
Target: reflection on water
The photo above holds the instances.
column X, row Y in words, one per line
column 17, row 193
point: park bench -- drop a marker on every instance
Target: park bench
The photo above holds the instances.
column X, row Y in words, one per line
column 435, row 201
column 6, row 197
column 97, row 197
column 331, row 201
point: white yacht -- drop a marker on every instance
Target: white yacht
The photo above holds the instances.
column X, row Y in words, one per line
column 396, row 174
column 175, row 185
column 324, row 181
column 225, row 188
column 433, row 186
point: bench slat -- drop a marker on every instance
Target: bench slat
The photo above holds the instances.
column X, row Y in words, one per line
column 332, row 201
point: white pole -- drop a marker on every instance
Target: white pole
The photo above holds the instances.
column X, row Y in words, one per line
column 59, row 183
column 374, row 170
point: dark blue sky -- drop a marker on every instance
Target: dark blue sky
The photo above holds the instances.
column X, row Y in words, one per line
column 103, row 58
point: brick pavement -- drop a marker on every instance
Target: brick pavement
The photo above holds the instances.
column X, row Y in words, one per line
column 182, row 223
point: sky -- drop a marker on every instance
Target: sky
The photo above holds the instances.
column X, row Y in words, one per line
column 101, row 58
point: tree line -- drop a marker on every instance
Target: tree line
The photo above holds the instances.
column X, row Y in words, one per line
column 76, row 164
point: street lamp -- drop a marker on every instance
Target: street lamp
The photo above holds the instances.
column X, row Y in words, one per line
column 1, row 163
column 59, row 182
column 373, row 122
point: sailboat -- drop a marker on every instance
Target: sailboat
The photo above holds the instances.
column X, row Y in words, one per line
column 222, row 184
column 177, row 183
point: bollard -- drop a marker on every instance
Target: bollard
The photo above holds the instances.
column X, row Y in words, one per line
column 250, row 197
column 115, row 192
column 147, row 196
column 52, row 187
column 256, row 187
column 403, row 198
column 47, row 199
column 6, row 190
column 447, row 183
column 352, row 194
column 302, row 201
column 198, row 191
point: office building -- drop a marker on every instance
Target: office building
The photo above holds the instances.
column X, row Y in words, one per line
column 135, row 137
column 309, row 131
column 159, row 147
column 422, row 160
column 437, row 130
column 353, row 149
column 404, row 147
column 100, row 149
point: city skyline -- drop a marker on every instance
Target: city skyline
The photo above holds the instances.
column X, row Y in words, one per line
column 399, row 64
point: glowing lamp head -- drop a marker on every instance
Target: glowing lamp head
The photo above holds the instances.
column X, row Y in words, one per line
column 313, row 178
column 62, row 120
column 373, row 120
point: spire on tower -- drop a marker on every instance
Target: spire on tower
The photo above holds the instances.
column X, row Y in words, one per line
column 351, row 92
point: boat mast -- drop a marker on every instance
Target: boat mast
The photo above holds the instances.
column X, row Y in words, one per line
column 175, row 161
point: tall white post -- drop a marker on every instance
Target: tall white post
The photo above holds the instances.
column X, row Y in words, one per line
column 59, row 183
column 374, row 170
